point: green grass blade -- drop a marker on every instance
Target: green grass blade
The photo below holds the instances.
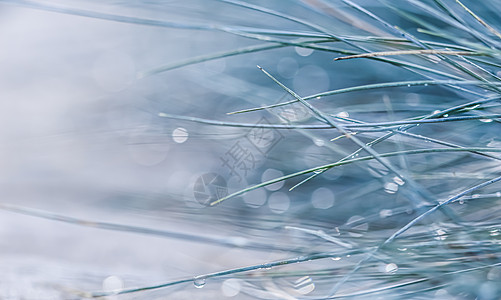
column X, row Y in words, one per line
column 371, row 87
column 350, row 161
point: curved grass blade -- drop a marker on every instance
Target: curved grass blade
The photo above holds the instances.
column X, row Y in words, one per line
column 244, row 125
column 204, row 58
column 471, row 104
column 110, row 17
column 315, row 174
column 394, row 29
column 399, row 31
column 319, row 28
column 386, row 126
column 241, row 31
column 157, row 23
column 371, row 87
column 215, row 240
column 409, row 225
column 325, row 126
column 454, row 21
column 284, row 262
column 401, row 132
column 294, row 260
column 349, row 161
column 480, row 20
column 288, row 17
column 410, row 52
column 432, row 140
column 415, row 281
column 325, row 118
column 434, row 115
column 240, row 51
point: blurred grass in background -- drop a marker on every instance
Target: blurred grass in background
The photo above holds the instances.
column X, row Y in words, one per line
column 363, row 162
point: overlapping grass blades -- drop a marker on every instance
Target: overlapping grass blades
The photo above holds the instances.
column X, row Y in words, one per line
column 457, row 68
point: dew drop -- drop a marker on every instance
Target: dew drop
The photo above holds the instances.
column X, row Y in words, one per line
column 494, row 144
column 384, row 213
column 180, row 135
column 440, row 234
column 199, row 282
column 336, row 258
column 336, row 232
column 295, row 113
column 398, row 180
column 391, row 188
column 391, row 268
column 343, row 114
column 486, row 120
column 304, row 285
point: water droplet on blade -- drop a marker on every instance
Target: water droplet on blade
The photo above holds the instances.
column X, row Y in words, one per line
column 391, row 188
column 304, row 285
column 391, row 268
column 180, row 135
column 199, row 282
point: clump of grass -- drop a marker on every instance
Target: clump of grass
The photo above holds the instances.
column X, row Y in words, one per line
column 412, row 137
